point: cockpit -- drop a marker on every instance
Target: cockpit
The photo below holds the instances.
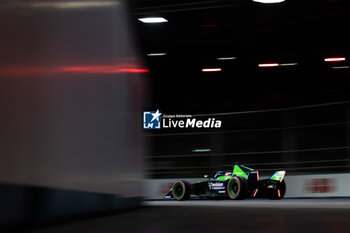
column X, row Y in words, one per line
column 222, row 173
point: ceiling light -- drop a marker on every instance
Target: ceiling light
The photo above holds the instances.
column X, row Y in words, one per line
column 201, row 150
column 153, row 20
column 268, row 65
column 226, row 58
column 334, row 59
column 340, row 67
column 269, row 1
column 211, row 70
column 288, row 64
column 156, row 54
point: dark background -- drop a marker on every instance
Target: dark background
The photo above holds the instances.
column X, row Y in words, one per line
column 310, row 139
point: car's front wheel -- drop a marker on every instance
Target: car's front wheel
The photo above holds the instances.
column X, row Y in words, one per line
column 181, row 190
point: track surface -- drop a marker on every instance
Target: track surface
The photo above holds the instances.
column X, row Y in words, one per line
column 222, row 216
column 284, row 203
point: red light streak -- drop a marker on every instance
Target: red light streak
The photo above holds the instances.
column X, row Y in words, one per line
column 133, row 70
column 83, row 69
column 102, row 69
column 256, row 190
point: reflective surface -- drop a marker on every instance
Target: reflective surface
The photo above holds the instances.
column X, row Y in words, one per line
column 222, row 216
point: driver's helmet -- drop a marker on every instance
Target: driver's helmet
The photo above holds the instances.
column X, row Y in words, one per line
column 228, row 173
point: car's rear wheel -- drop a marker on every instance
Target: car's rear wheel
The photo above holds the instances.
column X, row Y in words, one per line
column 181, row 190
column 237, row 188
column 276, row 191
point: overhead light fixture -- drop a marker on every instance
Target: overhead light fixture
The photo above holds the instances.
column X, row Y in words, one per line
column 211, row 70
column 153, row 20
column 268, row 65
column 226, row 58
column 288, row 64
column 156, row 54
column 334, row 59
column 341, row 67
column 201, row 150
column 268, row 1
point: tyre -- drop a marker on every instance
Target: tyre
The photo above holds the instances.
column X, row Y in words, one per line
column 276, row 191
column 237, row 188
column 181, row 190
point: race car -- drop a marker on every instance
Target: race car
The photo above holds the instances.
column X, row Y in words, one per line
column 240, row 183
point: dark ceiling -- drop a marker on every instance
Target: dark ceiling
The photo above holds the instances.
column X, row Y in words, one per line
column 198, row 32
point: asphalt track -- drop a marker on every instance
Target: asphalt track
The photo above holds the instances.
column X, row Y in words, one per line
column 336, row 203
column 222, row 216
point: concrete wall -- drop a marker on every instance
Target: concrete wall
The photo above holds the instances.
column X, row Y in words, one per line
column 71, row 94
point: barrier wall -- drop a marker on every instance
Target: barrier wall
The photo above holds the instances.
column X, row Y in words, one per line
column 298, row 186
column 72, row 90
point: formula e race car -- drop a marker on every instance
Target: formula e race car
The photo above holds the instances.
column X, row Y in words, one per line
column 242, row 182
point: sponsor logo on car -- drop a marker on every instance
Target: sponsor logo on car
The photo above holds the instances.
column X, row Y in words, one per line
column 216, row 185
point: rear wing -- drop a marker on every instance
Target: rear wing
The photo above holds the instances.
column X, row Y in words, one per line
column 278, row 176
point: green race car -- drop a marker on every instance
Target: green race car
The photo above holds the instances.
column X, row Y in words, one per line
column 242, row 182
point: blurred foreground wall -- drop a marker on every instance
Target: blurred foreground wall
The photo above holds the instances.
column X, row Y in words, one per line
column 71, row 93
